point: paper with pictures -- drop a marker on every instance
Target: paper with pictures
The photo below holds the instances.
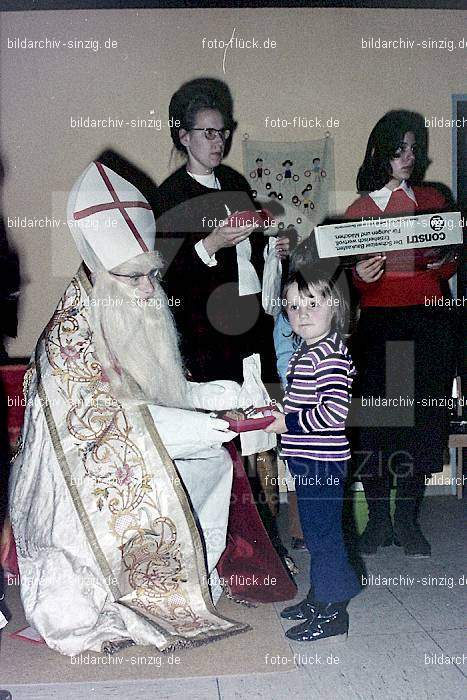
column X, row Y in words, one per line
column 295, row 177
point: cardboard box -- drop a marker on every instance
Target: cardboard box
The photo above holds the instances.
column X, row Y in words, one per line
column 378, row 235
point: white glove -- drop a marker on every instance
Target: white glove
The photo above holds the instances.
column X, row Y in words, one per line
column 214, row 396
column 187, row 433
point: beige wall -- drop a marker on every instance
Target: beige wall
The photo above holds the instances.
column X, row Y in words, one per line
column 317, row 69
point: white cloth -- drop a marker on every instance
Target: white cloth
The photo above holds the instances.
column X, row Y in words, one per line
column 208, row 477
column 381, row 197
column 64, row 593
column 219, row 395
column 110, row 220
column 272, row 275
column 248, row 280
column 185, row 433
column 208, row 481
column 204, row 467
column 3, row 620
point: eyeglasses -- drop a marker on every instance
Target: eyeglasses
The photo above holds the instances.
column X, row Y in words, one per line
column 211, row 133
column 152, row 275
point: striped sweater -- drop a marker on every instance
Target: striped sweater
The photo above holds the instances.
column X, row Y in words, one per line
column 317, row 400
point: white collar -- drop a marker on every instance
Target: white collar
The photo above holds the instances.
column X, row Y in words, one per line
column 381, row 197
column 209, row 180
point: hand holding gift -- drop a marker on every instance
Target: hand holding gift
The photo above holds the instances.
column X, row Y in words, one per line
column 278, row 426
column 237, row 227
column 245, row 420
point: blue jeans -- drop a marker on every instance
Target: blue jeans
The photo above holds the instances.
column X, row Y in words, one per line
column 320, row 491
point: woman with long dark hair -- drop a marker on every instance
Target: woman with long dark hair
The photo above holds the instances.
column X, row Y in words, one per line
column 402, row 339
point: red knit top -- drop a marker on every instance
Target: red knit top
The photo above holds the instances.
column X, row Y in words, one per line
column 402, row 284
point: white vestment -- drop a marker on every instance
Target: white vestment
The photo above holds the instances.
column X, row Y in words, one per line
column 108, row 548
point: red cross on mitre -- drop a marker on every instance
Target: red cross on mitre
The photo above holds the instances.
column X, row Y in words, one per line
column 117, row 203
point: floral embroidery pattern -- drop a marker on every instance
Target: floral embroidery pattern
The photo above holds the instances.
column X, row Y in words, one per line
column 123, row 485
column 152, row 558
column 124, row 474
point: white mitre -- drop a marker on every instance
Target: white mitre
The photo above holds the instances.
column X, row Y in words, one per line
column 110, row 220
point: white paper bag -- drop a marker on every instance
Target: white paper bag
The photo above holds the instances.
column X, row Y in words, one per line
column 253, row 393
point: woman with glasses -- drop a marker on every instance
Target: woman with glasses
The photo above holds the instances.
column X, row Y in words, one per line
column 215, row 267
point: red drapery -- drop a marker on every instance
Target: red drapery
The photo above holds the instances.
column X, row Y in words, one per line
column 250, row 565
column 11, row 378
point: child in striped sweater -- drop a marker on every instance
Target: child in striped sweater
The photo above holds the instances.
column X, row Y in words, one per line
column 317, row 400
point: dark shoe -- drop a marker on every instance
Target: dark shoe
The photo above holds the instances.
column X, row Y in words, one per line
column 407, row 533
column 298, row 543
column 304, row 610
column 376, row 534
column 330, row 620
column 412, row 539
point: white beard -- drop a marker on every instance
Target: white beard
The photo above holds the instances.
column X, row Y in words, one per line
column 137, row 342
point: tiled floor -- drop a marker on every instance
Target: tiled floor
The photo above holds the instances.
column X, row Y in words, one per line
column 407, row 636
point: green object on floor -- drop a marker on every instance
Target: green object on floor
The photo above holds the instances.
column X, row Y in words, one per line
column 360, row 509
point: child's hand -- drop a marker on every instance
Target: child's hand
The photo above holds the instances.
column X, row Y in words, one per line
column 279, row 425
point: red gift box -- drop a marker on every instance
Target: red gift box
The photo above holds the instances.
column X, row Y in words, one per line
column 245, row 425
column 247, row 218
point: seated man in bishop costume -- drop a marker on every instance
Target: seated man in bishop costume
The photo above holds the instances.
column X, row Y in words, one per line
column 117, row 543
